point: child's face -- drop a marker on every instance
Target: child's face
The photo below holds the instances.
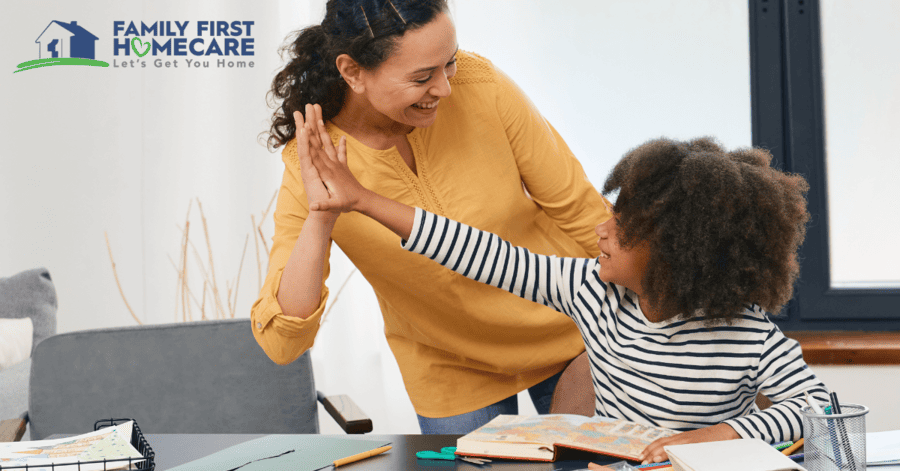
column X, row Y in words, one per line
column 625, row 267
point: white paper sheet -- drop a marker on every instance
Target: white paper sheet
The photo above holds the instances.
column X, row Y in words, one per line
column 883, row 448
column 733, row 455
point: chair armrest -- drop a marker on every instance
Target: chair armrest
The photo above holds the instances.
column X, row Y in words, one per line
column 11, row 430
column 346, row 413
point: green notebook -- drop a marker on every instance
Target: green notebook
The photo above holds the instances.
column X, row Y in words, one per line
column 301, row 453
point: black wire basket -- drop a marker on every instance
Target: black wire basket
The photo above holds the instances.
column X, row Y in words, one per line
column 137, row 440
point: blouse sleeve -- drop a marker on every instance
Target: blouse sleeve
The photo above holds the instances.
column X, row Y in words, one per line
column 552, row 175
column 285, row 338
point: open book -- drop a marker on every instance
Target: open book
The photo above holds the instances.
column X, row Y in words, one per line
column 540, row 437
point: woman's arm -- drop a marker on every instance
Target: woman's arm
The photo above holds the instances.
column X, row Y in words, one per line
column 286, row 316
column 282, row 337
column 301, row 281
column 554, row 178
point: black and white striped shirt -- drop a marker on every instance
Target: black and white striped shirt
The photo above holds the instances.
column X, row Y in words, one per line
column 681, row 374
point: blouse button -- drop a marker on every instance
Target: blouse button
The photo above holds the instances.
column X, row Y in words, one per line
column 259, row 325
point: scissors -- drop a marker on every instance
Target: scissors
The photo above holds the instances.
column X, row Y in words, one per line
column 448, row 453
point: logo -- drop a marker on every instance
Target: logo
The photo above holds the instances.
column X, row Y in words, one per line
column 64, row 43
column 163, row 44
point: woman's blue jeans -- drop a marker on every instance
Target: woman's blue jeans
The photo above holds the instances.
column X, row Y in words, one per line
column 541, row 394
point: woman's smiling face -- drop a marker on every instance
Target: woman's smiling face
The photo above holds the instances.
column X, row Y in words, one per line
column 408, row 86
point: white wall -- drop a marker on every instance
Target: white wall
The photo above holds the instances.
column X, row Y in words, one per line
column 610, row 75
column 872, row 386
column 87, row 150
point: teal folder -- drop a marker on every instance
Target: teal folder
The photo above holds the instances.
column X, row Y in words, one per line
column 294, row 452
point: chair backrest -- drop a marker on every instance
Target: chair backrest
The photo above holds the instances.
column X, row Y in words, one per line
column 574, row 393
column 199, row 377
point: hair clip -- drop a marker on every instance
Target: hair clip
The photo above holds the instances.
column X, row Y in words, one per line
column 397, row 12
column 371, row 33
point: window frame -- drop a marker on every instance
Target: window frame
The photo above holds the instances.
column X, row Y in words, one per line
column 788, row 119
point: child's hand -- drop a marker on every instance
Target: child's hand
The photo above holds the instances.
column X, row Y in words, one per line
column 312, row 182
column 343, row 189
column 654, row 453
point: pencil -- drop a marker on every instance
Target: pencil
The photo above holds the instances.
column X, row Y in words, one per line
column 787, row 451
column 361, row 456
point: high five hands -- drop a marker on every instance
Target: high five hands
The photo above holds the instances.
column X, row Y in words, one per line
column 330, row 186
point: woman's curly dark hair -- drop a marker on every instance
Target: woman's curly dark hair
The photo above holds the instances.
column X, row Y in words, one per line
column 723, row 228
column 366, row 30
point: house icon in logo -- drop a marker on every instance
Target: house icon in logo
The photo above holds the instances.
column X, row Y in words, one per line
column 61, row 39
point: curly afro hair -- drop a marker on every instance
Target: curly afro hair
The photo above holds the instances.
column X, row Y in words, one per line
column 723, row 227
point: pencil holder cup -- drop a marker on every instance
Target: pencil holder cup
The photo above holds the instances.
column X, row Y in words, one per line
column 835, row 442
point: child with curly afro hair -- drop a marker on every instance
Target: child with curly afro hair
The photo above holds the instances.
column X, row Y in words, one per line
column 722, row 228
column 701, row 244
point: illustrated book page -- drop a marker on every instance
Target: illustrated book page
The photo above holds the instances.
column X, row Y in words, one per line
column 539, row 437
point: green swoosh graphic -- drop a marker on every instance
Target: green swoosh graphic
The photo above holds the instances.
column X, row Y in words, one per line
column 60, row 61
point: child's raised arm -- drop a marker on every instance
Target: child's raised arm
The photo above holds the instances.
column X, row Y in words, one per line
column 345, row 193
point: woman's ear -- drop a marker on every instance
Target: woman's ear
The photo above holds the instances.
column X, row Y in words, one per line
column 351, row 71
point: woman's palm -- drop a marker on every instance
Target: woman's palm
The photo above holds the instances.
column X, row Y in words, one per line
column 306, row 150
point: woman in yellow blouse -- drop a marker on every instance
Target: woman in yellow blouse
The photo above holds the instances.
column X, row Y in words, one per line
column 382, row 71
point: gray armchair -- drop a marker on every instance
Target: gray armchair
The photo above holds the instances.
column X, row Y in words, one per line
column 27, row 294
column 199, row 377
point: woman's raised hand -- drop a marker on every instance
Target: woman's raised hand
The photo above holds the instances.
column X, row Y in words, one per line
column 330, row 186
column 343, row 191
column 312, row 182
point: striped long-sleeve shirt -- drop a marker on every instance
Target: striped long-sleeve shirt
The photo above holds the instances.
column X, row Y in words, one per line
column 682, row 374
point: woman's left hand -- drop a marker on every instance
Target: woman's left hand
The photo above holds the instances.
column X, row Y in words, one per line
column 654, row 453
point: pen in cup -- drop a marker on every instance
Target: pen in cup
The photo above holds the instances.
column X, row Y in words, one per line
column 813, row 404
column 845, row 440
column 817, row 409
